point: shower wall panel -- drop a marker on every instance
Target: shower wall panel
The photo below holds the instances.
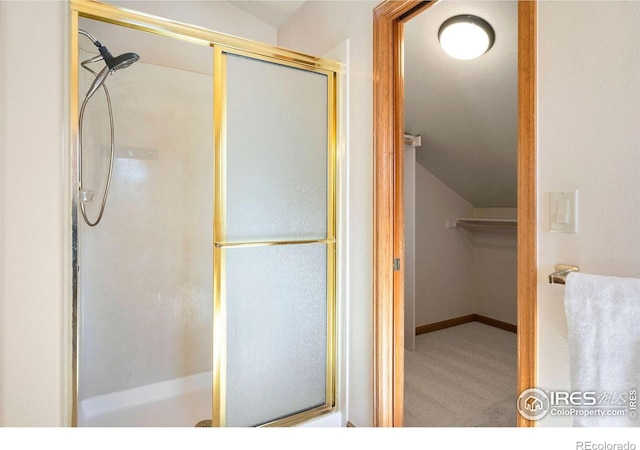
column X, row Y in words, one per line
column 146, row 270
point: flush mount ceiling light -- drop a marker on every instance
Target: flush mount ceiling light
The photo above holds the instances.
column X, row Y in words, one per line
column 466, row 36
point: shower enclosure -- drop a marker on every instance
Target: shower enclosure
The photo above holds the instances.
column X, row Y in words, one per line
column 206, row 294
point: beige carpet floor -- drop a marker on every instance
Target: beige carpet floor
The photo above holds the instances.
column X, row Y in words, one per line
column 463, row 376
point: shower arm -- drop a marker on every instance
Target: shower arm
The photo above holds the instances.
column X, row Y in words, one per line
column 90, row 36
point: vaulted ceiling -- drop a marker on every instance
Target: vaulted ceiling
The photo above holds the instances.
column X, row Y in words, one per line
column 465, row 111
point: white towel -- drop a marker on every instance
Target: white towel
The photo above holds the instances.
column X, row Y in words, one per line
column 603, row 318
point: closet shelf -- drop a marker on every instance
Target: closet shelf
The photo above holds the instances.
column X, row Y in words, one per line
column 488, row 224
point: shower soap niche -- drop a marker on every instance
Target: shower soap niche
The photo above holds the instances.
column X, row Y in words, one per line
column 125, row 152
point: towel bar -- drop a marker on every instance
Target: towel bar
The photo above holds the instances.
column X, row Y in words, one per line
column 560, row 275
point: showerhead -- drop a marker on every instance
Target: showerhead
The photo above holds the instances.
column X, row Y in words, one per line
column 125, row 60
column 112, row 64
column 119, row 62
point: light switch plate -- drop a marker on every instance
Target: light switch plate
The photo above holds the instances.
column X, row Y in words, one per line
column 563, row 213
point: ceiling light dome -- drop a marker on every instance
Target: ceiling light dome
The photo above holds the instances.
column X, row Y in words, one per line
column 466, row 36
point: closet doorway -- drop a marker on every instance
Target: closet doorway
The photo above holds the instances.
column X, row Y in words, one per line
column 390, row 25
column 460, row 194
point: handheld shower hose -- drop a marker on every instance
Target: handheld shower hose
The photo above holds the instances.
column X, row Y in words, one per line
column 112, row 64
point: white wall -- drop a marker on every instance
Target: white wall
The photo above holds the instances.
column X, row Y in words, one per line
column 315, row 28
column 444, row 256
column 460, row 271
column 495, row 263
column 3, row 119
column 33, row 183
column 409, row 247
column 588, row 139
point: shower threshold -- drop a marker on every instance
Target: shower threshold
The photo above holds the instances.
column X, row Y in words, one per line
column 180, row 402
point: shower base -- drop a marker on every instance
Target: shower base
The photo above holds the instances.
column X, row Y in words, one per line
column 181, row 402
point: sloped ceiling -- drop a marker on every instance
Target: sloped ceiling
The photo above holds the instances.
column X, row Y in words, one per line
column 465, row 111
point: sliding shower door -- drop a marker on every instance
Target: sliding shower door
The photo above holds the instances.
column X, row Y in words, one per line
column 274, row 233
column 217, row 247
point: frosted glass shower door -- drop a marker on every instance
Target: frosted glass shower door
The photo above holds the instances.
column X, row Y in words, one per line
column 274, row 241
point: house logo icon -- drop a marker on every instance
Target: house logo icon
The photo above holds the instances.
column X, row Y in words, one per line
column 533, row 404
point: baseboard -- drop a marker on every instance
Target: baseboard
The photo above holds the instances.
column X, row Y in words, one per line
column 350, row 425
column 445, row 324
column 496, row 323
column 465, row 319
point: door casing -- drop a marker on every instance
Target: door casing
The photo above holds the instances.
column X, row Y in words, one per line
column 388, row 286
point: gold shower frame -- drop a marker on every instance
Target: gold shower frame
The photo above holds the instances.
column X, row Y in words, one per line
column 221, row 44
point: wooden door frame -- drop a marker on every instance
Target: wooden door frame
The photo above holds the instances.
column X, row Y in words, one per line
column 388, row 290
